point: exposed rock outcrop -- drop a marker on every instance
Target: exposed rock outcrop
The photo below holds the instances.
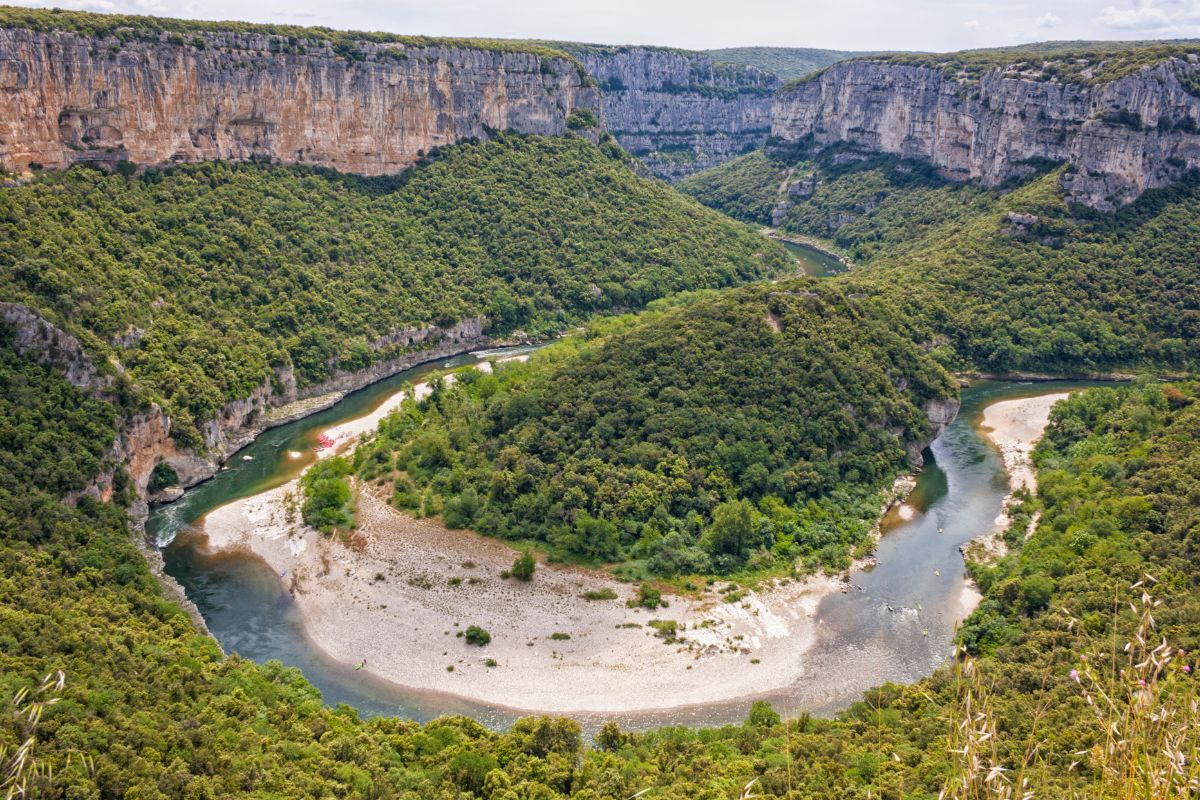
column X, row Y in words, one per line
column 1120, row 138
column 680, row 112
column 66, row 97
column 940, row 412
column 144, row 440
column 51, row 346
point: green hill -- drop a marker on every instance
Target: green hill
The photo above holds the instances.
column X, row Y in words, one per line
column 1010, row 279
column 759, row 424
column 200, row 279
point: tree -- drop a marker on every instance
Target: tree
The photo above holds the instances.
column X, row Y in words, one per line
column 732, row 529
column 762, row 715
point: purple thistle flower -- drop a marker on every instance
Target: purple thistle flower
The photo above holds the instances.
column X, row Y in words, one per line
column 1075, row 675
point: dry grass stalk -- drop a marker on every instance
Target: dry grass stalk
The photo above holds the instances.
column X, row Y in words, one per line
column 21, row 773
column 1148, row 710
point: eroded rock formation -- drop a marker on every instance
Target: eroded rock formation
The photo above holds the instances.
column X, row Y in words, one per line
column 680, row 112
column 1120, row 137
column 65, row 97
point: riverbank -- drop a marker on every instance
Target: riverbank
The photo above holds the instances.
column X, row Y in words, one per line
column 394, row 600
column 809, row 243
column 1014, row 427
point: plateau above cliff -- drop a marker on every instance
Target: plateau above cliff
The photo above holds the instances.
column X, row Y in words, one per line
column 1122, row 123
column 786, row 63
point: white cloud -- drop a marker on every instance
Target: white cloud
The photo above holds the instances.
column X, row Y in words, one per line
column 1163, row 16
column 971, row 24
column 1049, row 20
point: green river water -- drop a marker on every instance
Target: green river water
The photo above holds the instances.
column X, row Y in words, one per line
column 895, row 624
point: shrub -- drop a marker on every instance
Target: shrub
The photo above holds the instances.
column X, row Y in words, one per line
column 477, row 636
column 647, row 597
column 523, row 567
column 328, row 505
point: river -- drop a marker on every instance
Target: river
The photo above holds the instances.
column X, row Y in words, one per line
column 814, row 262
column 895, row 623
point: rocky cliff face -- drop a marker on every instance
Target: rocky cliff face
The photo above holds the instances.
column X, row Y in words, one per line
column 143, row 439
column 65, row 97
column 1120, row 138
column 677, row 111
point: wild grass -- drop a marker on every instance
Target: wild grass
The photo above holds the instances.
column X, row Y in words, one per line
column 22, row 773
column 1145, row 707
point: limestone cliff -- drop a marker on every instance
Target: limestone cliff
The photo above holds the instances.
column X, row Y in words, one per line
column 143, row 439
column 67, row 97
column 680, row 112
column 1119, row 137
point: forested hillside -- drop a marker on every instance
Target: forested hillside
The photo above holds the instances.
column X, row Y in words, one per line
column 757, row 425
column 150, row 708
column 747, row 430
column 1011, row 279
column 199, row 279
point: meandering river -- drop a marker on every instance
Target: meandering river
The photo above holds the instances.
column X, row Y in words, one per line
column 894, row 623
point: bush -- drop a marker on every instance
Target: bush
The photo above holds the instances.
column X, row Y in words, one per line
column 477, row 636
column 600, row 594
column 582, row 118
column 647, row 597
column 523, row 567
column 328, row 504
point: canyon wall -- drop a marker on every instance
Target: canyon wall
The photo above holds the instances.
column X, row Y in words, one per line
column 143, row 439
column 1119, row 137
column 66, row 97
column 680, row 112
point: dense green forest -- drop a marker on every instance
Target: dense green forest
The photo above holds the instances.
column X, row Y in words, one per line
column 757, row 424
column 199, row 279
column 746, row 188
column 151, row 709
column 1010, row 279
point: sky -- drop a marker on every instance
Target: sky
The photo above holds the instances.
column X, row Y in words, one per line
column 701, row 24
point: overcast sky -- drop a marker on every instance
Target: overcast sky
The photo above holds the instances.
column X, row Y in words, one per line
column 837, row 24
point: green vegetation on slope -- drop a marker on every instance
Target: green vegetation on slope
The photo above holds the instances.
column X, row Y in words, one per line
column 788, row 63
column 746, row 188
column 159, row 713
column 128, row 27
column 200, row 279
column 758, row 424
column 1009, row 279
column 1063, row 62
